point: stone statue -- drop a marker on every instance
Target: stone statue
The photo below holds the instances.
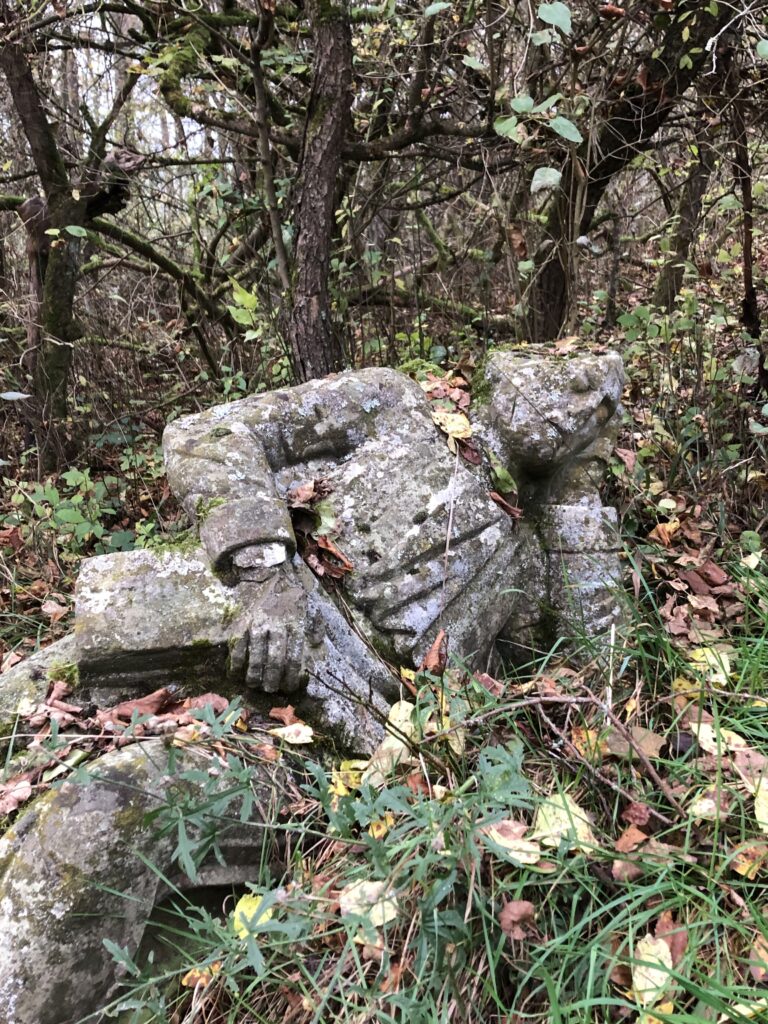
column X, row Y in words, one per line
column 429, row 550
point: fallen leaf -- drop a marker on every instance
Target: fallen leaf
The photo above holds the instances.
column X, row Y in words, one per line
column 512, row 510
column 715, row 740
column 651, row 966
column 663, row 533
column 752, row 1011
column 629, row 840
column 647, row 742
column 674, row 934
column 53, row 610
column 710, row 804
column 493, row 686
column 454, row 424
column 371, row 900
column 626, row 871
column 513, row 916
column 297, row 733
column 749, row 860
column 14, row 793
column 560, row 817
column 248, row 914
column 761, row 808
column 379, row 828
column 758, row 959
column 285, row 715
column 508, row 834
column 628, row 457
column 436, row 657
column 152, row 704
column 202, row 976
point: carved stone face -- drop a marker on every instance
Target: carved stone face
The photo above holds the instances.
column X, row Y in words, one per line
column 541, row 412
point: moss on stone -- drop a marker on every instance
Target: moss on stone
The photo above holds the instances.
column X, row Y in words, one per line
column 64, row 671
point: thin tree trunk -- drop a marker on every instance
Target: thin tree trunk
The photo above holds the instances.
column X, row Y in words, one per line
column 627, row 129
column 314, row 346
column 686, row 222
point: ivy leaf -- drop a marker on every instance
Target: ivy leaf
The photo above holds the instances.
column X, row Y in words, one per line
column 566, row 129
column 545, row 178
column 474, row 63
column 556, row 14
column 434, row 9
column 76, row 231
column 762, row 49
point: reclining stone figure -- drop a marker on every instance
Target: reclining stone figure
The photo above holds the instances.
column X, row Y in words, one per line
column 430, row 549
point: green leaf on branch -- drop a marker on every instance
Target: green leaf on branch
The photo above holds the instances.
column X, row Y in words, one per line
column 566, row 129
column 506, row 127
column 437, row 8
column 76, row 231
column 522, row 104
column 556, row 14
column 545, row 178
column 762, row 49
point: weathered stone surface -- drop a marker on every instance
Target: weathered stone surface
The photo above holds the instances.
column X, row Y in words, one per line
column 429, row 548
column 75, row 844
column 542, row 411
column 27, row 682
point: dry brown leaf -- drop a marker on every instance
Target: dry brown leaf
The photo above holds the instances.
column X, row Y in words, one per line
column 758, row 959
column 436, row 657
column 629, row 840
column 53, row 610
column 493, row 686
column 285, row 715
column 626, row 871
column 14, row 793
column 674, row 934
column 513, row 916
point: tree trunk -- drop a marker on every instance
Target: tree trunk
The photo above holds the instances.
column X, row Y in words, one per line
column 687, row 219
column 315, row 348
column 628, row 128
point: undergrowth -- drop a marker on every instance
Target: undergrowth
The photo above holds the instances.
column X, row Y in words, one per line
column 561, row 847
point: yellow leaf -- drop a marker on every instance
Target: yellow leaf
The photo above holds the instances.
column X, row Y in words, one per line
column 713, row 663
column 752, row 1011
column 202, row 976
column 749, row 860
column 560, row 817
column 508, row 834
column 379, row 828
column 247, row 915
column 394, row 748
column 371, row 900
column 685, row 691
column 296, row 733
column 351, row 773
column 761, row 808
column 651, row 970
column 454, row 424
column 717, row 741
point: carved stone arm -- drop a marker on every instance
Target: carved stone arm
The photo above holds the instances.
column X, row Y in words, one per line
column 220, row 472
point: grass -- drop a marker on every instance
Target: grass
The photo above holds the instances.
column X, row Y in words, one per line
column 446, row 954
